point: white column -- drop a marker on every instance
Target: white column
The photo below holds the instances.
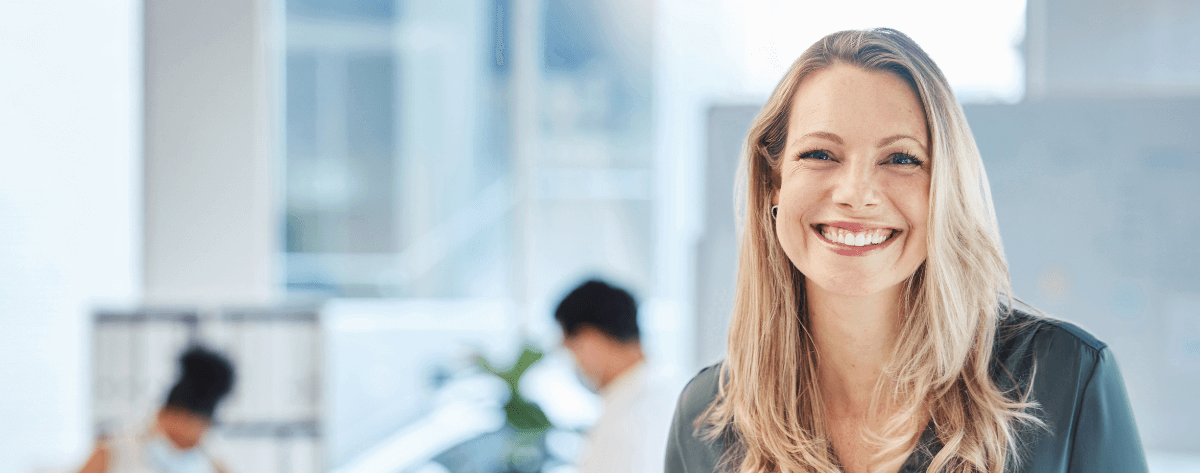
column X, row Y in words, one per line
column 1036, row 85
column 696, row 49
column 211, row 218
column 527, row 50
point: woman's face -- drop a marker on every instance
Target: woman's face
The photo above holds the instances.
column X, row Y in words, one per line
column 854, row 181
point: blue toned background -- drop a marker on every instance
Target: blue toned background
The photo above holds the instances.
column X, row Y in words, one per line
column 434, row 175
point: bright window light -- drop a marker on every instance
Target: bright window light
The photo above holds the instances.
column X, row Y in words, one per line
column 976, row 44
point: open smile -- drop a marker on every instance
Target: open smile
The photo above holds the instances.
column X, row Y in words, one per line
column 856, row 242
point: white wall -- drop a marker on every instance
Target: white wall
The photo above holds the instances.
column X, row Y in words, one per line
column 70, row 146
column 210, row 217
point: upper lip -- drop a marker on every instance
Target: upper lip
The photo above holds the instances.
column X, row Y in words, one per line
column 856, row 226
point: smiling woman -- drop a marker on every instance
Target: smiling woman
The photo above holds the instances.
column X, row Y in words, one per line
column 857, row 169
column 873, row 328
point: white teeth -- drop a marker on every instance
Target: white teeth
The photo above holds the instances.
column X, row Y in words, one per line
column 873, row 237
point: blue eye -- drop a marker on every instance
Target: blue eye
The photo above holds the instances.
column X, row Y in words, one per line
column 817, row 154
column 906, row 159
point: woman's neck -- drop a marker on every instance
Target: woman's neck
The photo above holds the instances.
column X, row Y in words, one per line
column 854, row 337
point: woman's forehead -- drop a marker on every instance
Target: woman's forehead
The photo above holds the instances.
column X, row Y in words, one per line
column 856, row 105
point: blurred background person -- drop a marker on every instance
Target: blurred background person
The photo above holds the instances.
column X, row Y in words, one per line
column 173, row 441
column 600, row 328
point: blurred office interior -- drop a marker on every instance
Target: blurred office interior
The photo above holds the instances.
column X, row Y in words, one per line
column 358, row 199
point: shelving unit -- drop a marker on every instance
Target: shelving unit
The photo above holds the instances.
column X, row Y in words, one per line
column 273, row 419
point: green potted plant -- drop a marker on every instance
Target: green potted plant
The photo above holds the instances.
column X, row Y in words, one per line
column 526, row 424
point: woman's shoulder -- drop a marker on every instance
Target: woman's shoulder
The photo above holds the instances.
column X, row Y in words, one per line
column 1073, row 379
column 699, row 392
column 688, row 450
column 1020, row 332
column 1028, row 344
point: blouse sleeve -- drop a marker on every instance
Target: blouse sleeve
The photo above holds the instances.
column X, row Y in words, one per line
column 1106, row 437
column 686, row 453
column 674, row 460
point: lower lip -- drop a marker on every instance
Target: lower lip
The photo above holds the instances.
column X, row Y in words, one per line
column 847, row 250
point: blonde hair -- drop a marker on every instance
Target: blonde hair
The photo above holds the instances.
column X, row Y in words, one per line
column 768, row 398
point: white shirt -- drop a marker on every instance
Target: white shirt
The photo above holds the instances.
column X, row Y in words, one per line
column 133, row 450
column 631, row 434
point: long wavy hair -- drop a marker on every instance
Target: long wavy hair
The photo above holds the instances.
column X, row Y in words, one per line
column 768, row 400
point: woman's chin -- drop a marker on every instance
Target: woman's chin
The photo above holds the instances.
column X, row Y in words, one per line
column 849, row 283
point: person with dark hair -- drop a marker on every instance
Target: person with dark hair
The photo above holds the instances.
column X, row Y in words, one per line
column 599, row 324
column 172, row 443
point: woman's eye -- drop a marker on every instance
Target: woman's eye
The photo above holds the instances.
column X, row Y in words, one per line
column 817, row 154
column 902, row 158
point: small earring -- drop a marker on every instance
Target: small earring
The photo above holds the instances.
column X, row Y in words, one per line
column 774, row 211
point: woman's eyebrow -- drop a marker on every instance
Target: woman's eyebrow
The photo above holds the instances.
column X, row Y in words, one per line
column 837, row 139
column 824, row 135
column 894, row 138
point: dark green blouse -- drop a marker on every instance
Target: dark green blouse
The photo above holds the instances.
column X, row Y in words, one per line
column 1081, row 397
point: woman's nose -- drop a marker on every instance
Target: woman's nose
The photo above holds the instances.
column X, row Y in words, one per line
column 855, row 188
